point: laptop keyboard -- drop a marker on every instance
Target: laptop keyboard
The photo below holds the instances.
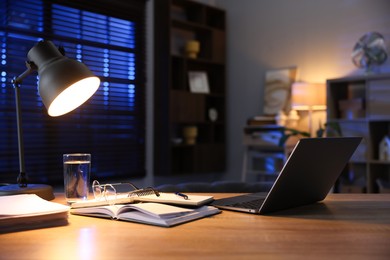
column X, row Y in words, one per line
column 252, row 204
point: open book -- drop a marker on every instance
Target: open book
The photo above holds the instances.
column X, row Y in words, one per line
column 148, row 213
column 167, row 198
column 28, row 211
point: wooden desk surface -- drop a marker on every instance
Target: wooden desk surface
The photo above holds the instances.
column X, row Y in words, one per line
column 343, row 227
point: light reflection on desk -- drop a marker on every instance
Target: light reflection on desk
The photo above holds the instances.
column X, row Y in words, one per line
column 86, row 242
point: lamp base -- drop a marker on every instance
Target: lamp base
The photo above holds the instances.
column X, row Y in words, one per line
column 42, row 190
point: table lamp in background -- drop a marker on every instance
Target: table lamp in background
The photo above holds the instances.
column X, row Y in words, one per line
column 308, row 97
column 64, row 85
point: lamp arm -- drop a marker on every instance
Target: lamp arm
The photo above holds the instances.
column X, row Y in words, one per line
column 31, row 67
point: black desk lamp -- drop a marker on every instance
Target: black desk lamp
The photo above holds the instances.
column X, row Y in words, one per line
column 64, row 85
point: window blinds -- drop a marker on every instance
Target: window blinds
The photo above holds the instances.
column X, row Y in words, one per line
column 107, row 36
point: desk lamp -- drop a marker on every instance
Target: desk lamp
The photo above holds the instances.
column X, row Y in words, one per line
column 308, row 97
column 64, row 85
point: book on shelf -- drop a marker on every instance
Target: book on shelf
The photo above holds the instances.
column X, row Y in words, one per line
column 29, row 211
column 148, row 213
column 167, row 198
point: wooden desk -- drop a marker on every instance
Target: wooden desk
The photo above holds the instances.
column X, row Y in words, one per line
column 343, row 227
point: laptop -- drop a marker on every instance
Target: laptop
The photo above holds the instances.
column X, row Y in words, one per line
column 307, row 177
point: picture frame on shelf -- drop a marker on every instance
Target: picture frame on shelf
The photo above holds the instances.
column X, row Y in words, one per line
column 198, row 82
column 213, row 114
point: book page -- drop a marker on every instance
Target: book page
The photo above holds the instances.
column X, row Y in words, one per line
column 169, row 220
column 99, row 211
column 119, row 199
column 155, row 209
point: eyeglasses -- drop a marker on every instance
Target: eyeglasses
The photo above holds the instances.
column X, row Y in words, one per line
column 109, row 192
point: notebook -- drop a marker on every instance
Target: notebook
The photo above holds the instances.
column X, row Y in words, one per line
column 167, row 198
column 307, row 177
column 148, row 213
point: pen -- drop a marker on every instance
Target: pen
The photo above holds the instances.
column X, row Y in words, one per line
column 182, row 195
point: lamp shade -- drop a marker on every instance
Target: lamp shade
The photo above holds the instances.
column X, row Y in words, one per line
column 305, row 96
column 64, row 84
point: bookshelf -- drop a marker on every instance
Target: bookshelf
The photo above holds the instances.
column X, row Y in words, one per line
column 359, row 106
column 177, row 107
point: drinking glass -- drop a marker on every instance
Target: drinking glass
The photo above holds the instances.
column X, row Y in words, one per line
column 77, row 171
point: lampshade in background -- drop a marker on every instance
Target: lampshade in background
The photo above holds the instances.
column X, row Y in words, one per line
column 64, row 84
column 308, row 97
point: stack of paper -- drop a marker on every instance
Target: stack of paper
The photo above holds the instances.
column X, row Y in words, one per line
column 28, row 211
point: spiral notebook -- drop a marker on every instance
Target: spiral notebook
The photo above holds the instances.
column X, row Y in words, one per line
column 166, row 198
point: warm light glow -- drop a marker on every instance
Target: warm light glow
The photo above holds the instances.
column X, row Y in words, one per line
column 306, row 96
column 74, row 96
column 310, row 97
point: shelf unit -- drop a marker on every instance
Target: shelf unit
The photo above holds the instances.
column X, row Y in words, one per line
column 176, row 107
column 360, row 106
column 263, row 157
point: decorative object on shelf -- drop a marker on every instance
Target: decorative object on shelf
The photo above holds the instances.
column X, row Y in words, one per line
column 213, row 114
column 277, row 90
column 308, row 97
column 190, row 133
column 198, row 82
column 281, row 118
column 192, row 49
column 370, row 50
column 351, row 108
column 177, row 140
column 384, row 149
column 292, row 119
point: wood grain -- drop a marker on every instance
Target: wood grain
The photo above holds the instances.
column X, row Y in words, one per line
column 345, row 226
